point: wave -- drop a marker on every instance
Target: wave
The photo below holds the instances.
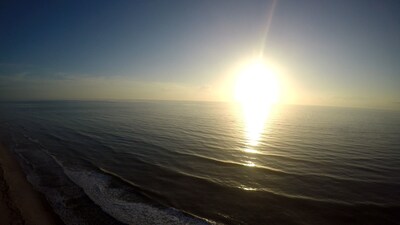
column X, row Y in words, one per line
column 163, row 150
column 115, row 201
column 84, row 195
column 305, row 180
column 229, row 163
column 67, row 199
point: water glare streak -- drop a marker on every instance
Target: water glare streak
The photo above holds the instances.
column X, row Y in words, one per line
column 255, row 117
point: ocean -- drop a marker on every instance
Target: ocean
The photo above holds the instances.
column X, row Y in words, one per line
column 166, row 162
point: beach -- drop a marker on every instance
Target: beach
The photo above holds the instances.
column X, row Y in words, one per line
column 19, row 202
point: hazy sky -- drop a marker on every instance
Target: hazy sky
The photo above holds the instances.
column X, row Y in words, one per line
column 327, row 52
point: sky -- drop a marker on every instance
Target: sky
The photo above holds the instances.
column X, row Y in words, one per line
column 338, row 53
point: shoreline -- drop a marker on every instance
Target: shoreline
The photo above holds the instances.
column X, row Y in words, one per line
column 20, row 203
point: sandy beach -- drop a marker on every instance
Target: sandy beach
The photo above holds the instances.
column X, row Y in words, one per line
column 19, row 202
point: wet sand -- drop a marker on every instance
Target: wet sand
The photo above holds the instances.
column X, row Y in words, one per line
column 19, row 202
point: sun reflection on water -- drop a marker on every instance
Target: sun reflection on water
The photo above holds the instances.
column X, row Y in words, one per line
column 251, row 150
column 257, row 90
column 250, row 164
column 255, row 117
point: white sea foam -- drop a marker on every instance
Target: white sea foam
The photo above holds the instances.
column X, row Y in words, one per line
column 58, row 194
column 96, row 186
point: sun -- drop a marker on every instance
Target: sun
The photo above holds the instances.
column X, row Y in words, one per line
column 257, row 85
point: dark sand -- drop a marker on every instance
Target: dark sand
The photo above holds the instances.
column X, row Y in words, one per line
column 19, row 202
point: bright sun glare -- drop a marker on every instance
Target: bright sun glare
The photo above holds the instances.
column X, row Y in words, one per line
column 257, row 89
column 257, row 84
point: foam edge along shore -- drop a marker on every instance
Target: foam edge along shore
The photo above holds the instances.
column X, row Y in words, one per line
column 85, row 195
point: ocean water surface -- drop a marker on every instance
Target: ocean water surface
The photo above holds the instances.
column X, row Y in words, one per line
column 155, row 162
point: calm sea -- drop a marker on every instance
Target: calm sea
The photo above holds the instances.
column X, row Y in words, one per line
column 206, row 163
